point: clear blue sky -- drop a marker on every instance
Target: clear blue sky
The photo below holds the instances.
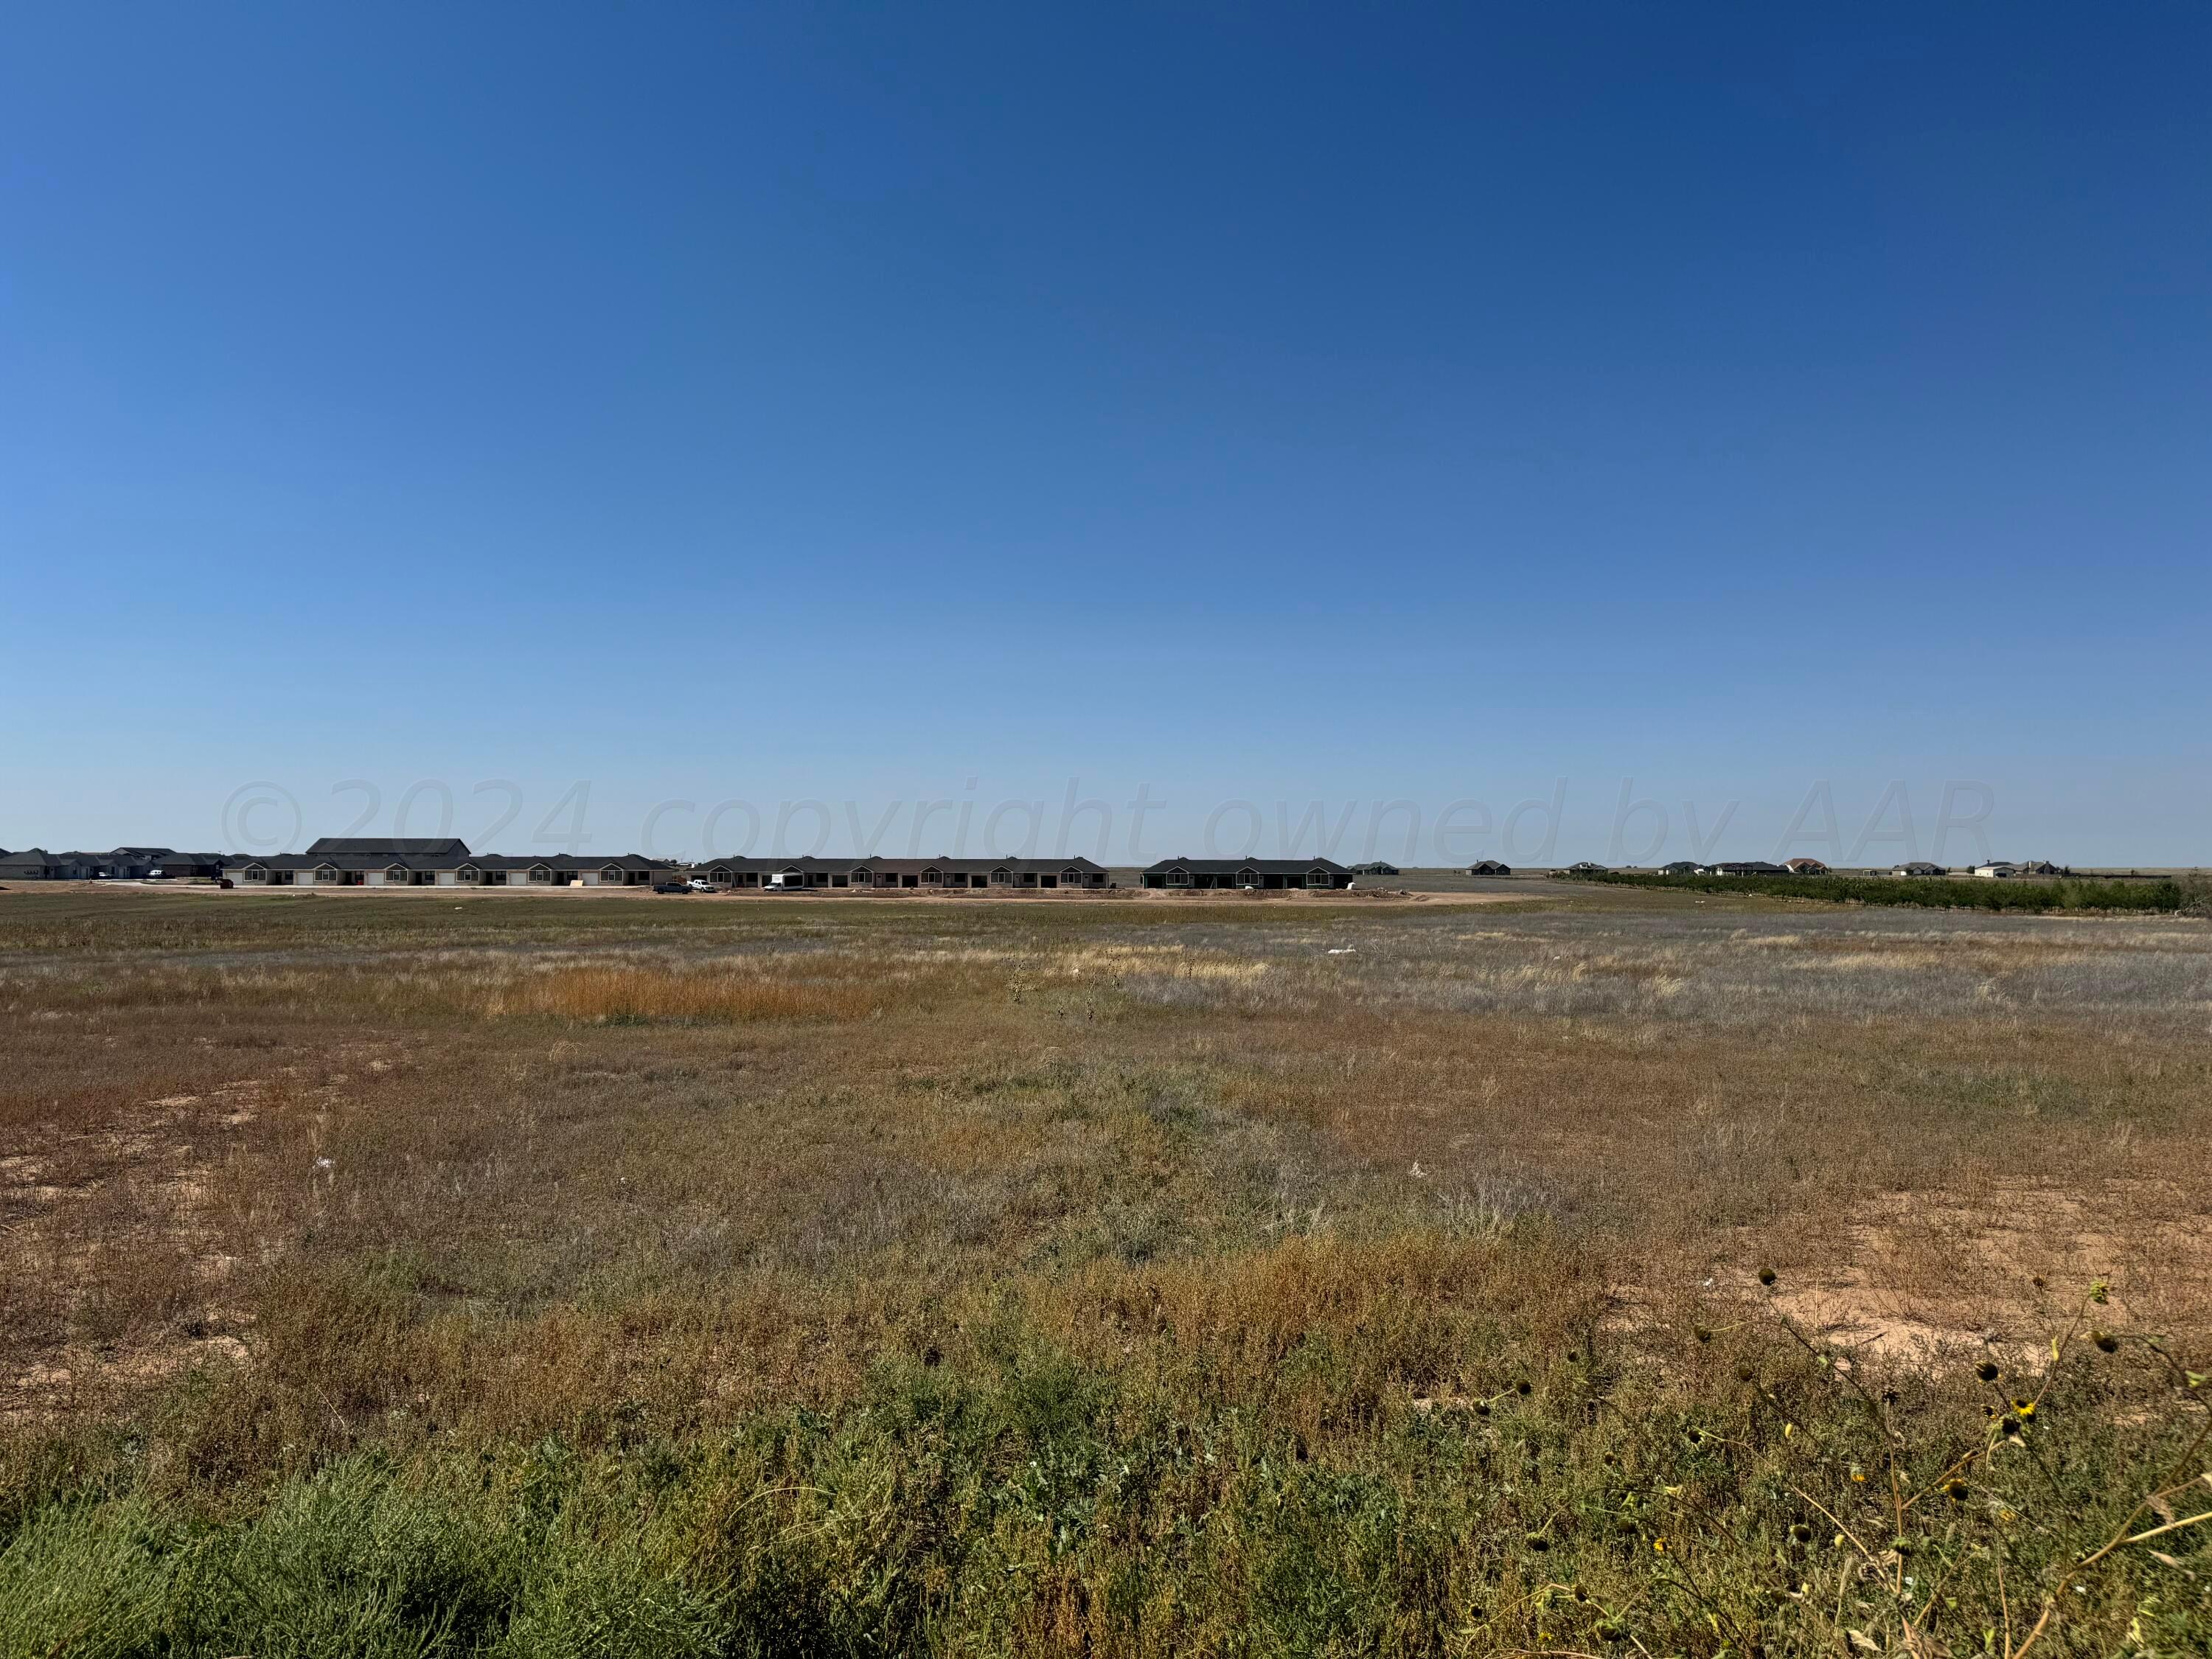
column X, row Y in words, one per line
column 1262, row 403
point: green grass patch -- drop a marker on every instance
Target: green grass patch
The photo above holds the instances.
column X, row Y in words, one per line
column 1744, row 1498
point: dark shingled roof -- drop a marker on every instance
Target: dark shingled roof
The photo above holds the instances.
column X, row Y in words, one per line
column 1260, row 867
column 373, row 847
column 811, row 865
column 481, row 860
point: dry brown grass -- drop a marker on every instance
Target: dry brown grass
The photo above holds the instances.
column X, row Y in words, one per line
column 1268, row 1200
column 702, row 1157
column 640, row 993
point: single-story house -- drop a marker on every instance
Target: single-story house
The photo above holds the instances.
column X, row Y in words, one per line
column 1997, row 871
column 1489, row 867
column 1805, row 868
column 33, row 864
column 923, row 875
column 1376, row 867
column 1268, row 874
column 1585, row 867
column 1749, row 867
column 1682, row 868
column 1918, row 868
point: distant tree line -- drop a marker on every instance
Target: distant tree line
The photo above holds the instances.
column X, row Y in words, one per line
column 1934, row 892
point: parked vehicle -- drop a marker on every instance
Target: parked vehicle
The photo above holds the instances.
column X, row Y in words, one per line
column 699, row 884
column 671, row 887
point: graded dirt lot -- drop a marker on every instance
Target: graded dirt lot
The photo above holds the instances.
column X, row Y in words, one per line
column 1103, row 1274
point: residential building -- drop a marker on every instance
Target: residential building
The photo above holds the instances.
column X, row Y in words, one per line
column 187, row 866
column 1489, row 867
column 431, row 847
column 926, row 875
column 32, row 864
column 337, row 861
column 1264, row 874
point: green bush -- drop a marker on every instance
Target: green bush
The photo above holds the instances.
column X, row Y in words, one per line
column 1761, row 1499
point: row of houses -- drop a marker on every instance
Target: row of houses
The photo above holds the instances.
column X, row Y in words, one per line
column 939, row 874
column 450, row 864
column 119, row 864
column 350, row 861
column 343, row 862
column 346, row 861
column 356, row 861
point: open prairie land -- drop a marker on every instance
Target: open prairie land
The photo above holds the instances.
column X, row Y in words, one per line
column 386, row 1276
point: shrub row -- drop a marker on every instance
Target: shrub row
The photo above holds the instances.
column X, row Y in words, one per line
column 1934, row 892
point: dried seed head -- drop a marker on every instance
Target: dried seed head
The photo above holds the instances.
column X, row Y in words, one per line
column 1766, row 1276
column 2106, row 1341
column 1701, row 1332
column 1524, row 1386
column 1744, row 1373
column 1538, row 1542
column 1955, row 1490
column 1802, row 1533
column 1987, row 1371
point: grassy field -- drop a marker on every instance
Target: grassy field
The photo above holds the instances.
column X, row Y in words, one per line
column 396, row 1276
